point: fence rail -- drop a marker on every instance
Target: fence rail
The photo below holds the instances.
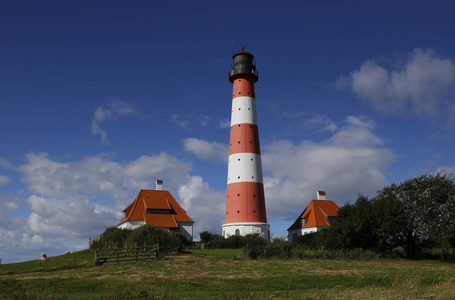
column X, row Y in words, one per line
column 118, row 255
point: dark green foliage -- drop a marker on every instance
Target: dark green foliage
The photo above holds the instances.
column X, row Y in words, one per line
column 255, row 245
column 308, row 241
column 235, row 242
column 254, row 240
column 417, row 214
column 144, row 235
column 114, row 237
column 152, row 235
column 428, row 210
column 212, row 240
column 279, row 248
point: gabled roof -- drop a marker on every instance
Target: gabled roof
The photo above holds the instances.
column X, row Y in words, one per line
column 156, row 201
column 316, row 213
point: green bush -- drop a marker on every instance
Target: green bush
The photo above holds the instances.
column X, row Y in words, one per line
column 212, row 240
column 235, row 242
column 152, row 235
column 279, row 249
column 113, row 237
column 311, row 241
column 143, row 235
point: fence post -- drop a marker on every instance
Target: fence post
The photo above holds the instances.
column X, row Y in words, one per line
column 118, row 255
column 136, row 249
column 97, row 258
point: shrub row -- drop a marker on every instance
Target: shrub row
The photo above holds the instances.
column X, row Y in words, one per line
column 167, row 241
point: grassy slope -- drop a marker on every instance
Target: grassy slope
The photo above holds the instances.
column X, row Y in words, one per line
column 222, row 274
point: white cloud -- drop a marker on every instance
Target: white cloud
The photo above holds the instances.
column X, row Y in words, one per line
column 211, row 151
column 224, row 123
column 115, row 108
column 422, row 83
column 12, row 206
column 180, row 121
column 4, row 180
column 322, row 123
column 4, row 163
column 96, row 176
column 204, row 205
column 73, row 216
column 316, row 122
column 188, row 121
column 352, row 161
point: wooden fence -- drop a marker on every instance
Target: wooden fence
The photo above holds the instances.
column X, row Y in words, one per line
column 118, row 255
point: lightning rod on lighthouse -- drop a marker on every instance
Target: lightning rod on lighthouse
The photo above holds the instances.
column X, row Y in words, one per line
column 245, row 201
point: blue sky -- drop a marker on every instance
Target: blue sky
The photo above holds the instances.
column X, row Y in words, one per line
column 101, row 98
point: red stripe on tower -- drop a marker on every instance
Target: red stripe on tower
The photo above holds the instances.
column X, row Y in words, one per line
column 245, row 202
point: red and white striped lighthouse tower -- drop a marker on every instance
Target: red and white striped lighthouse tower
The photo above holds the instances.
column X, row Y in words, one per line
column 245, row 202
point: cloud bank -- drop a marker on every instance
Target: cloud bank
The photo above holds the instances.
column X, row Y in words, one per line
column 421, row 82
column 351, row 161
column 210, row 151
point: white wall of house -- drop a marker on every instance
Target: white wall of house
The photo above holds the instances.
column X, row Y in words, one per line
column 186, row 229
column 131, row 224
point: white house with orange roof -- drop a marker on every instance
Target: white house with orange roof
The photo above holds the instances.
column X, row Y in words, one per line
column 316, row 216
column 158, row 208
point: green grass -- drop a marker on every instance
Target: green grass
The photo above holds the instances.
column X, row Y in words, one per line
column 226, row 274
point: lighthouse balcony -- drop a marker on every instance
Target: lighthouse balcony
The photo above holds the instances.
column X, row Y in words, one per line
column 233, row 72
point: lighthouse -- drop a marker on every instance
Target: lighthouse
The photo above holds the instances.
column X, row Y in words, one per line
column 245, row 202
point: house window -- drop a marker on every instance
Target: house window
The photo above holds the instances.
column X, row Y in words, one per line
column 302, row 221
column 159, row 211
column 237, row 232
column 294, row 235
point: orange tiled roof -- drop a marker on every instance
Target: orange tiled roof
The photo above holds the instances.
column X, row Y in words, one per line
column 316, row 213
column 151, row 199
column 160, row 220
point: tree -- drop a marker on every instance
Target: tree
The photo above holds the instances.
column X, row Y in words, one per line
column 428, row 211
column 355, row 227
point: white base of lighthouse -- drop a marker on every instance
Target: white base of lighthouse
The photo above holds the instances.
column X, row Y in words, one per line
column 262, row 229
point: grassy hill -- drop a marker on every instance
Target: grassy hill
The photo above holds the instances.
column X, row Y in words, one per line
column 225, row 274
